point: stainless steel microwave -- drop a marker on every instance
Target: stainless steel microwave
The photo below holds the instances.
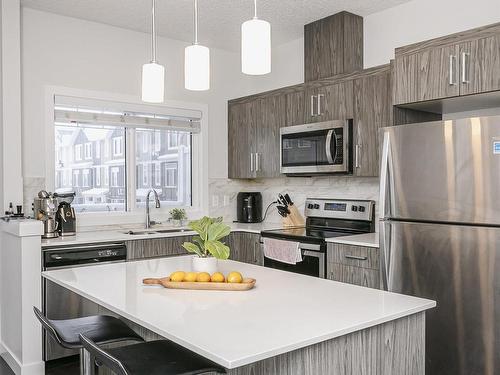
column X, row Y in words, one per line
column 318, row 148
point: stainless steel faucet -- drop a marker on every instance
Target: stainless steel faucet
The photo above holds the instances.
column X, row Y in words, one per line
column 157, row 201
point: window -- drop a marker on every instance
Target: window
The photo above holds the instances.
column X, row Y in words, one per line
column 164, row 163
column 98, row 176
column 88, row 150
column 78, row 152
column 117, row 146
column 86, row 180
column 98, row 146
column 98, row 149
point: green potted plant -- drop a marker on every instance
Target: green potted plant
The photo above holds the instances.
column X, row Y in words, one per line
column 207, row 245
column 178, row 215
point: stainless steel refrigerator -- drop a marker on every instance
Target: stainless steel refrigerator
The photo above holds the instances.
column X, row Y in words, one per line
column 440, row 236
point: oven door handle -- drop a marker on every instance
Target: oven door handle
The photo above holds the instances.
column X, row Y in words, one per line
column 329, row 155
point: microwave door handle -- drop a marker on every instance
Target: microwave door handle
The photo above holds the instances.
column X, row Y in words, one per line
column 331, row 156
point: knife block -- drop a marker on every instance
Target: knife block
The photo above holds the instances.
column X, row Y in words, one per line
column 294, row 219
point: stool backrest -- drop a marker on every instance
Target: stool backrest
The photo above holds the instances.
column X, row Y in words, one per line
column 102, row 356
column 47, row 325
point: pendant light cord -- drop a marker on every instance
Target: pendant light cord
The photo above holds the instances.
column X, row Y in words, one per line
column 255, row 9
column 153, row 32
column 195, row 21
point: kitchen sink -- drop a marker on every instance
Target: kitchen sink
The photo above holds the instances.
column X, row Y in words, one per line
column 146, row 232
column 171, row 230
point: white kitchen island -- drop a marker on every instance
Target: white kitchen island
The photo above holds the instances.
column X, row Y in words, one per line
column 288, row 324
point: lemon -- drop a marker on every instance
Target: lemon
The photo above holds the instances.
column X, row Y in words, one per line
column 218, row 277
column 203, row 277
column 234, row 277
column 177, row 276
column 190, row 277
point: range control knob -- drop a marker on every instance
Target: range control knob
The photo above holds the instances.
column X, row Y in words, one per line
column 354, row 208
column 361, row 208
column 316, row 206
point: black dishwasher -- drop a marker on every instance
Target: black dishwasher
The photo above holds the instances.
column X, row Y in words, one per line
column 61, row 303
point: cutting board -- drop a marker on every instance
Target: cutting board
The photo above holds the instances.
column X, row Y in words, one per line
column 246, row 284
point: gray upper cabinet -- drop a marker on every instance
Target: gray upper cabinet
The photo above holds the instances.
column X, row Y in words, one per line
column 295, row 102
column 333, row 45
column 480, row 59
column 372, row 110
column 242, row 118
column 253, row 136
column 459, row 64
column 272, row 118
column 329, row 102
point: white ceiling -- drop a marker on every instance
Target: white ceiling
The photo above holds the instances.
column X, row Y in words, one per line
column 220, row 20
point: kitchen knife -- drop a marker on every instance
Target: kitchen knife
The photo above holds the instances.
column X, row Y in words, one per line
column 283, row 211
column 288, row 200
column 282, row 200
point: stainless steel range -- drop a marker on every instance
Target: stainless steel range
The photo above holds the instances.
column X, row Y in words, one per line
column 325, row 218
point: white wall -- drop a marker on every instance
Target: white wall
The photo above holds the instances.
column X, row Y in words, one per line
column 63, row 51
column 419, row 20
column 12, row 184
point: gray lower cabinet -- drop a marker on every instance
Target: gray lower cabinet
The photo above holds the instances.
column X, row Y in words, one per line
column 350, row 264
column 156, row 247
column 245, row 247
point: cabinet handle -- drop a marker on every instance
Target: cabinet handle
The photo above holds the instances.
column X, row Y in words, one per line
column 312, row 106
column 355, row 257
column 319, row 112
column 257, row 166
column 452, row 70
column 356, row 156
column 251, row 162
column 465, row 67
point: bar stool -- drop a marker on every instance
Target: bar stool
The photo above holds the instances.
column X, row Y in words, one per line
column 161, row 357
column 103, row 329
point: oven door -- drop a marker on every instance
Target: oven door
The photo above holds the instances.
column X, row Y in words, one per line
column 313, row 261
column 324, row 147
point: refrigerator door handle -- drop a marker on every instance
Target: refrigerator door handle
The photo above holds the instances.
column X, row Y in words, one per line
column 385, row 250
column 386, row 178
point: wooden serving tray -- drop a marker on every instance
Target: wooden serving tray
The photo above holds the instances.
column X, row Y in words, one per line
column 246, row 284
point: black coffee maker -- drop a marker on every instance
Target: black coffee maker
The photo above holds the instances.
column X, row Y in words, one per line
column 249, row 207
column 65, row 216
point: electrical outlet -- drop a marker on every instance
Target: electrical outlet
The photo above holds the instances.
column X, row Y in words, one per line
column 215, row 200
column 226, row 200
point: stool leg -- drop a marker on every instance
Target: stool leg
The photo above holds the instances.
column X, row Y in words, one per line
column 86, row 365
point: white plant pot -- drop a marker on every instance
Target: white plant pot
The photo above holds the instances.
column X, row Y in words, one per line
column 208, row 264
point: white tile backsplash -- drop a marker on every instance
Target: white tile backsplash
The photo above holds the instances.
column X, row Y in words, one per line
column 299, row 188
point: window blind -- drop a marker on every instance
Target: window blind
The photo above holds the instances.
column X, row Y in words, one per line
column 75, row 111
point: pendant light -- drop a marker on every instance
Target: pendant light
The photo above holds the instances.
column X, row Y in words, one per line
column 256, row 46
column 153, row 74
column 196, row 61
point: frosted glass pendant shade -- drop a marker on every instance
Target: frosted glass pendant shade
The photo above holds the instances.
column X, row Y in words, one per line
column 153, row 83
column 197, row 68
column 256, row 47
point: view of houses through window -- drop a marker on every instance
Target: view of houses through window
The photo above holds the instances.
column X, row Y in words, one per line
column 92, row 159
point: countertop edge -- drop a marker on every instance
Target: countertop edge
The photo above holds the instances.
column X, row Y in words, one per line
column 231, row 364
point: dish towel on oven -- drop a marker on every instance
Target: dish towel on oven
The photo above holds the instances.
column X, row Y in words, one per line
column 282, row 251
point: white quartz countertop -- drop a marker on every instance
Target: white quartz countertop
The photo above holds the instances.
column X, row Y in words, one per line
column 367, row 239
column 120, row 233
column 284, row 312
